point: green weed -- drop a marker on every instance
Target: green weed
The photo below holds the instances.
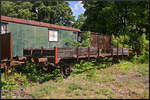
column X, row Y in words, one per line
column 106, row 92
column 144, row 95
column 8, row 96
column 43, row 92
column 85, row 93
column 14, row 80
column 142, row 69
column 107, row 77
column 92, row 75
column 77, row 93
column 75, row 86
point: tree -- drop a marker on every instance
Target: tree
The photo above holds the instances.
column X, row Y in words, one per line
column 79, row 22
column 17, row 9
column 115, row 17
column 53, row 12
column 118, row 18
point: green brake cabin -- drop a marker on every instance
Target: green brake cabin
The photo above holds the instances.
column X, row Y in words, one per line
column 29, row 33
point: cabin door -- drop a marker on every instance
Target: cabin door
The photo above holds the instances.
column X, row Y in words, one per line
column 5, row 43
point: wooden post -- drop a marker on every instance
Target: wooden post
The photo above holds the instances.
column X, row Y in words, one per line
column 41, row 50
column 56, row 56
column 31, row 50
column 6, row 72
column 112, row 56
column 11, row 50
column 112, row 52
column 77, row 53
column 97, row 52
column 122, row 52
column 117, row 49
column 128, row 51
column 88, row 53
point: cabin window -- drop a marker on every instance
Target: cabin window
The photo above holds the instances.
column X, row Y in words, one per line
column 4, row 28
column 75, row 36
column 79, row 37
column 53, row 35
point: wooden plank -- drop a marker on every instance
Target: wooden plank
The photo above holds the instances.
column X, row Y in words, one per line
column 42, row 59
column 98, row 52
column 77, row 53
column 66, row 52
column 6, row 72
column 88, row 52
column 93, row 51
column 56, row 58
column 38, row 52
column 128, row 51
column 125, row 51
column 14, row 63
column 11, row 49
column 38, row 48
column 83, row 51
column 21, row 58
column 31, row 50
column 41, row 51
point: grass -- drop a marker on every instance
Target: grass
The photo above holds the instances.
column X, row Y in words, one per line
column 127, row 80
column 74, row 86
column 43, row 92
column 109, row 94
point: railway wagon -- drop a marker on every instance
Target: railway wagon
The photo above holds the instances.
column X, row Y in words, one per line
column 23, row 41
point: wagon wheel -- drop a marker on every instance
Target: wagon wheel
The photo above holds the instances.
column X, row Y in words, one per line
column 116, row 60
column 66, row 70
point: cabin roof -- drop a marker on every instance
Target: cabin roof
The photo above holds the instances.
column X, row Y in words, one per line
column 36, row 23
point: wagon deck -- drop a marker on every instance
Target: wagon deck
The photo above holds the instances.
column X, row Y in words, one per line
column 54, row 55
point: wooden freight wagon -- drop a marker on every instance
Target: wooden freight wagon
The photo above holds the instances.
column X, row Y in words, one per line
column 23, row 41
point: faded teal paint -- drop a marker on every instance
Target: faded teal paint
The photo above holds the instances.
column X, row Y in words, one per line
column 63, row 36
column 33, row 36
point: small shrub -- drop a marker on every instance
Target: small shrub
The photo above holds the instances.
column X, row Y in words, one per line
column 86, row 40
column 140, row 59
column 83, row 67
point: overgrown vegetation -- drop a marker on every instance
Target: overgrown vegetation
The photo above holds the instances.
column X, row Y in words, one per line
column 37, row 74
column 30, row 74
column 15, row 80
column 86, row 40
column 84, row 80
column 139, row 45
